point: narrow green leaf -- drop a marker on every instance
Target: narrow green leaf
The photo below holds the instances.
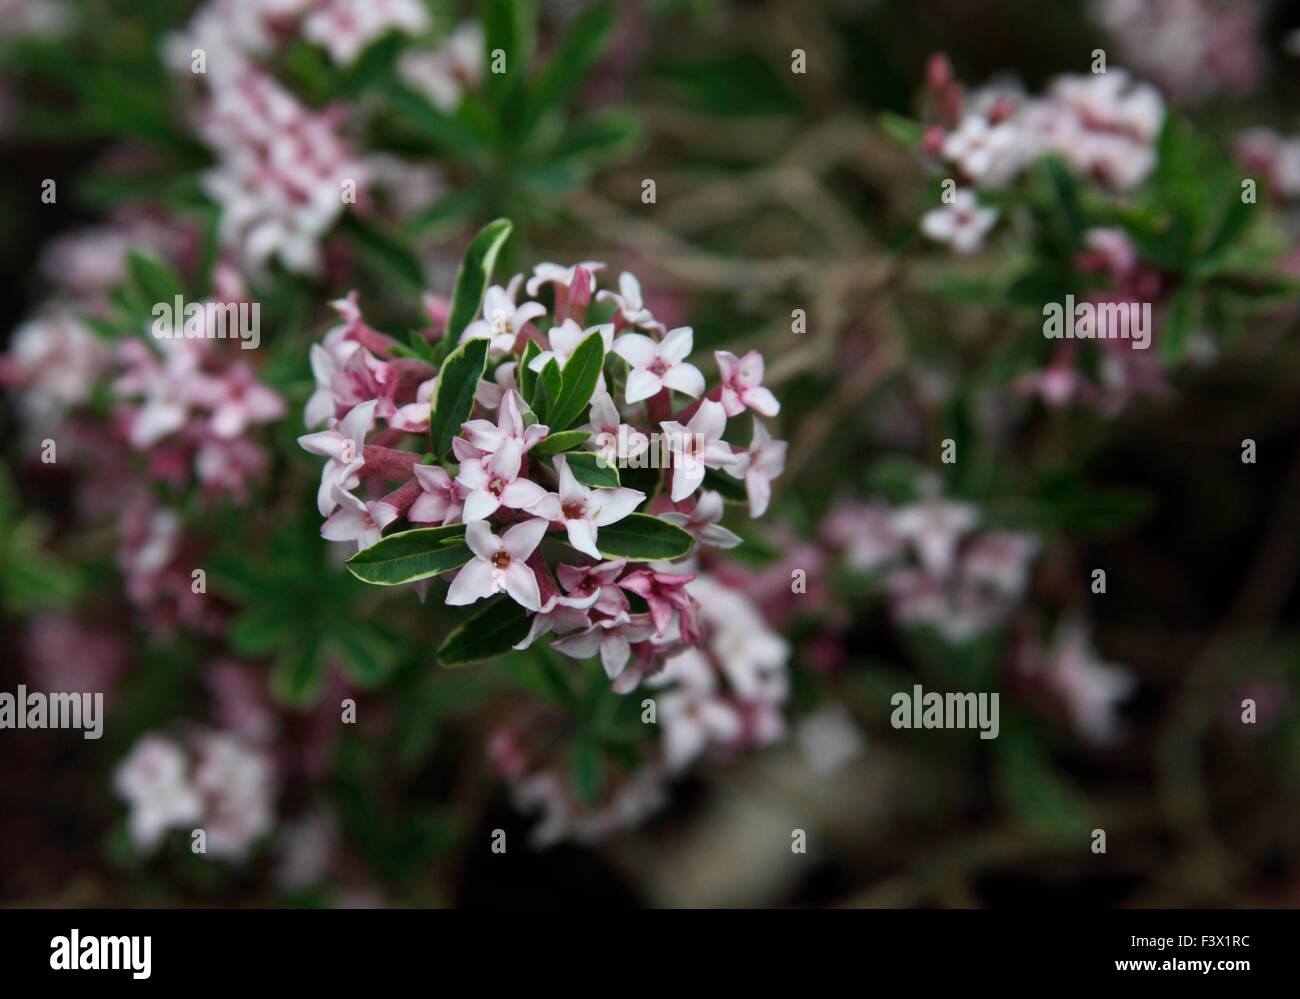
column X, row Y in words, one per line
column 491, row 631
column 474, row 275
column 643, row 538
column 545, row 389
column 572, row 59
column 453, row 396
column 565, row 440
column 155, row 281
column 411, row 555
column 528, row 377
column 588, row 469
column 581, row 372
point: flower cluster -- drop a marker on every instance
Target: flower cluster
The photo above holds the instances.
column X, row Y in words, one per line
column 555, row 399
column 1103, row 125
column 208, row 780
column 286, row 173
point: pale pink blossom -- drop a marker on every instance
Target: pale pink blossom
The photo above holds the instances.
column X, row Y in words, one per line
column 495, row 480
column 499, row 564
column 154, row 780
column 702, row 521
column 503, row 320
column 357, row 520
column 630, row 304
column 763, row 462
column 742, row 384
column 697, row 446
column 344, row 444
column 659, row 364
column 584, row 510
column 441, row 498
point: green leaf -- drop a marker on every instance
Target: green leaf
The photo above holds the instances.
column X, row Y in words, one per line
column 1178, row 324
column 527, row 376
column 572, row 59
column 545, row 389
column 905, row 131
column 491, row 631
column 581, row 372
column 509, row 25
column 156, row 281
column 643, row 538
column 453, row 396
column 411, row 555
column 474, row 275
column 588, row 469
column 588, row 775
column 565, row 440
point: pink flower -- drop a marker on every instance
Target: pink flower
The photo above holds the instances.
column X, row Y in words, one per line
column 482, row 435
column 503, row 320
column 493, row 481
column 630, row 304
column 612, row 638
column 441, row 499
column 596, row 582
column 696, row 446
column 583, row 510
column 555, row 274
column 356, row 521
column 741, row 388
column 414, row 416
column 664, row 592
column 612, row 439
column 763, row 462
column 499, row 564
column 657, row 365
column 961, row 224
column 155, row 783
column 934, row 527
column 344, row 444
column 702, row 521
column 239, row 400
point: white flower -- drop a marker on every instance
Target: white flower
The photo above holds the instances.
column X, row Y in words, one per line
column 357, row 521
column 612, row 638
column 440, row 500
column 763, row 462
column 985, row 153
column 443, row 75
column 493, row 481
column 934, row 527
column 344, row 28
column 502, row 318
column 659, row 364
column 582, row 510
column 961, row 224
column 499, row 564
column 702, row 521
column 696, row 446
column 630, row 304
column 741, row 384
column 1092, row 688
column 614, row 441
column 344, row 444
column 547, row 273
column 154, row 782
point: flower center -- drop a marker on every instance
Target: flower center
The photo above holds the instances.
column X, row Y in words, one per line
column 501, row 323
column 500, row 559
column 495, row 487
column 574, row 510
column 658, row 367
